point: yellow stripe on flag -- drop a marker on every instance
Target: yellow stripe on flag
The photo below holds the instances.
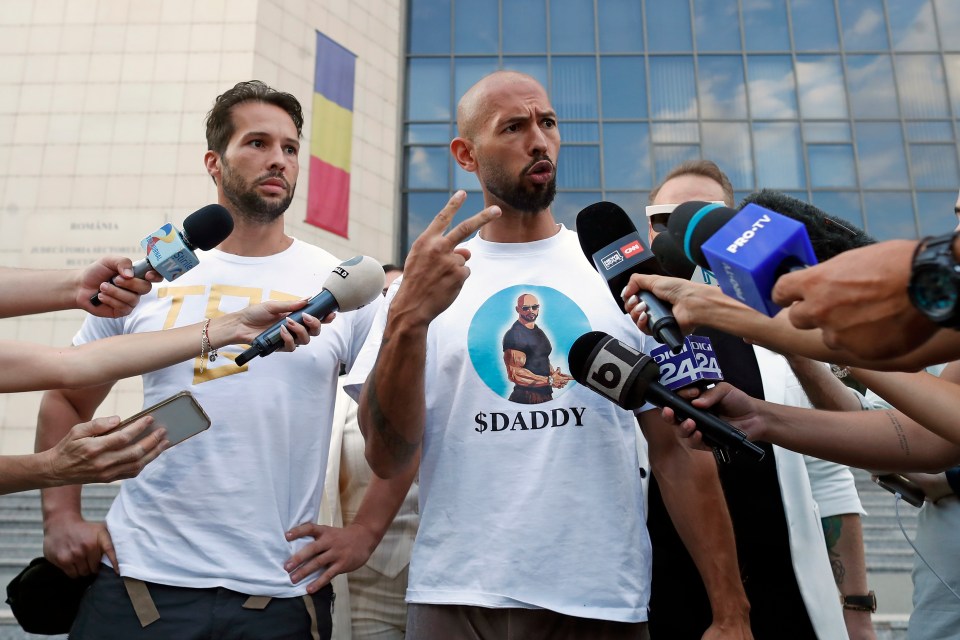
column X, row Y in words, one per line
column 332, row 133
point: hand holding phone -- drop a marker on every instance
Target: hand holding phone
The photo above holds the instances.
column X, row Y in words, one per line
column 897, row 484
column 180, row 414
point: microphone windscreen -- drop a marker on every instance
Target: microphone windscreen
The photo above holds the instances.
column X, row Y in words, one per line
column 829, row 234
column 693, row 223
column 600, row 224
column 580, row 352
column 671, row 257
column 356, row 282
column 207, row 227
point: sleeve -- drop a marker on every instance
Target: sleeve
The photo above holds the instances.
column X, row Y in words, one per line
column 833, row 487
column 367, row 356
column 362, row 321
column 96, row 328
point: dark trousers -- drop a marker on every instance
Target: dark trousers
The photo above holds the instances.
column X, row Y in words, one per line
column 107, row 613
column 462, row 622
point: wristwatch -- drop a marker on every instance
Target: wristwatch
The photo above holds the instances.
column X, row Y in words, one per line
column 860, row 603
column 935, row 281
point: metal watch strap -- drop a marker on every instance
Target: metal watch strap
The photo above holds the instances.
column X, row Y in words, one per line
column 860, row 603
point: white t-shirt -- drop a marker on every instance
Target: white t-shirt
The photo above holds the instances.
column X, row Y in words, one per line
column 212, row 511
column 525, row 505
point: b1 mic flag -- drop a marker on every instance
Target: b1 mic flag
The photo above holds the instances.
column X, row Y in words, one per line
column 331, row 137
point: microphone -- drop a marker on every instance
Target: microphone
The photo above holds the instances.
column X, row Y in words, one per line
column 676, row 264
column 696, row 364
column 352, row 284
column 629, row 379
column 610, row 241
column 171, row 253
column 747, row 250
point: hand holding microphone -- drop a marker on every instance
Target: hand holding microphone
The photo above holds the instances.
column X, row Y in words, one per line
column 352, row 284
column 630, row 379
column 171, row 253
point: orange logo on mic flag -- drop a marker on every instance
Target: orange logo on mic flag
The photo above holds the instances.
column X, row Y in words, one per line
column 331, row 137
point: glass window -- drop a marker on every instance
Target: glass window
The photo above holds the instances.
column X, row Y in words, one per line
column 779, row 158
column 930, row 132
column 728, row 144
column 626, row 155
column 571, row 26
column 765, row 25
column 948, row 21
column 421, row 209
column 953, row 81
column 921, row 84
column 889, row 215
column 934, row 165
column 429, row 26
column 772, row 90
column 634, row 203
column 673, row 94
column 820, row 81
column 723, row 92
column 831, row 165
column 814, row 25
column 621, row 26
column 532, row 66
column 579, row 167
column 427, row 167
column 524, row 26
column 881, row 154
column 579, row 132
column 863, row 23
column 717, row 25
column 467, row 71
column 826, row 131
column 870, row 81
column 935, row 211
column 623, row 87
column 476, row 27
column 675, row 132
column 463, row 179
column 842, row 204
column 426, row 133
column 668, row 26
column 666, row 157
column 568, row 204
column 428, row 89
column 574, row 88
column 911, row 25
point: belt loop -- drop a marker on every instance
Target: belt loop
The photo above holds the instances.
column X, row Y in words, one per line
column 312, row 612
column 258, row 603
column 143, row 604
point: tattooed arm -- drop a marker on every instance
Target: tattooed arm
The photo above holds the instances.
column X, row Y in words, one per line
column 844, row 536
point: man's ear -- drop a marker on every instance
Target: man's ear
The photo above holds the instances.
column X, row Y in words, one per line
column 462, row 150
column 211, row 160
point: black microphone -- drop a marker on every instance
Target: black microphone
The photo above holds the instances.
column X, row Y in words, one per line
column 171, row 253
column 671, row 257
column 610, row 241
column 352, row 284
column 629, row 378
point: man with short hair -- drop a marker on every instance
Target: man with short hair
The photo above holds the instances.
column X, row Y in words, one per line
column 207, row 541
column 532, row 522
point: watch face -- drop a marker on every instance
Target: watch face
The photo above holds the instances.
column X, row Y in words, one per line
column 935, row 293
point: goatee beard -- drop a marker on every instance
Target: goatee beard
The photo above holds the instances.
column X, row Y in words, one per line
column 512, row 194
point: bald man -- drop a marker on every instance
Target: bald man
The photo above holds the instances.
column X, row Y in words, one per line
column 526, row 354
column 532, row 516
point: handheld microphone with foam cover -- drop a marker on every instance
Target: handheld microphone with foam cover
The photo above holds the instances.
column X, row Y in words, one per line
column 352, row 284
column 671, row 258
column 171, row 253
column 610, row 241
column 747, row 250
column 629, row 378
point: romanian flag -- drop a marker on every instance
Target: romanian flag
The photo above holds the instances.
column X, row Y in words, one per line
column 328, row 201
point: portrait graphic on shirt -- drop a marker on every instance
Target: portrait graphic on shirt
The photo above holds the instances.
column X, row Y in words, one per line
column 519, row 340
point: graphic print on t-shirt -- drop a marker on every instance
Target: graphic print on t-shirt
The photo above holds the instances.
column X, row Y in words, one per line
column 519, row 339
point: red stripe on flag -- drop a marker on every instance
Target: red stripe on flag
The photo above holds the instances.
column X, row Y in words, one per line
column 328, row 202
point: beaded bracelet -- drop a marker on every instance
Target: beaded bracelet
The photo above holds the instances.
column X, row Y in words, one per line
column 207, row 352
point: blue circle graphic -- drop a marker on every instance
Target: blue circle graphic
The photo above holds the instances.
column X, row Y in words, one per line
column 560, row 319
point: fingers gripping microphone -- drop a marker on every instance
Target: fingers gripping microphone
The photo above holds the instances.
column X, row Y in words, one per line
column 171, row 253
column 610, row 241
column 747, row 250
column 629, row 379
column 352, row 284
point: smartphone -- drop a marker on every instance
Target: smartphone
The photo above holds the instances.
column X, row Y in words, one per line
column 180, row 414
column 908, row 490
